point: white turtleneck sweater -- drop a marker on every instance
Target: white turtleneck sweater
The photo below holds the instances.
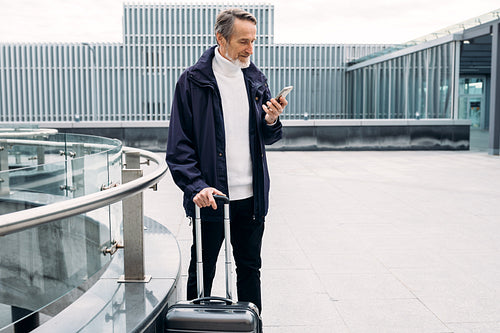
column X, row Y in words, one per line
column 235, row 109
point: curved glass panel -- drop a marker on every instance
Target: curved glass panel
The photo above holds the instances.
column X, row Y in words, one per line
column 63, row 165
column 48, row 262
column 54, row 263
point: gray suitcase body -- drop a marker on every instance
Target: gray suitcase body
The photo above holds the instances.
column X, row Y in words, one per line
column 213, row 314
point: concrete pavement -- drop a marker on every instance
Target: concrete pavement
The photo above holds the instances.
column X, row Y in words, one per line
column 372, row 241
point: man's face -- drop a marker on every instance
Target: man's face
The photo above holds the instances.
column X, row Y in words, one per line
column 239, row 48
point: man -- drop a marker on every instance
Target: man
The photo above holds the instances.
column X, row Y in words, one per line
column 222, row 117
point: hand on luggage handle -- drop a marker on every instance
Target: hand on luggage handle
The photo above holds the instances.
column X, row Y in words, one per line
column 216, row 197
column 212, row 298
column 221, row 197
column 208, row 196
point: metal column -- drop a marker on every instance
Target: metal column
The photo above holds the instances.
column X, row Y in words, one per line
column 494, row 142
column 133, row 225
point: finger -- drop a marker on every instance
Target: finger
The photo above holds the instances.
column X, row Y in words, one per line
column 267, row 109
column 201, row 199
column 275, row 103
column 278, row 108
column 197, row 201
column 273, row 113
column 211, row 202
column 283, row 102
column 216, row 191
column 272, row 109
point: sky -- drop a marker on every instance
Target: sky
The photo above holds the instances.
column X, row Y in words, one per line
column 296, row 21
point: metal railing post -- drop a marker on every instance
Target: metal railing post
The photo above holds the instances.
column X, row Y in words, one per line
column 77, row 171
column 133, row 225
column 4, row 166
column 40, row 157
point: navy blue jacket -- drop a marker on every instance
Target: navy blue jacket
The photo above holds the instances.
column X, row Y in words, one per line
column 196, row 138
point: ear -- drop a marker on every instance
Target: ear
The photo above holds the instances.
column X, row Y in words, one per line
column 220, row 39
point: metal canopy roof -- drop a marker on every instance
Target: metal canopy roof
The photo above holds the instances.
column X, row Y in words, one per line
column 473, row 24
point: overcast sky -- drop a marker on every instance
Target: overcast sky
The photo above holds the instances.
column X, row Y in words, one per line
column 296, row 21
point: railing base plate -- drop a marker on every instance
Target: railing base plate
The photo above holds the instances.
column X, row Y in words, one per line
column 146, row 279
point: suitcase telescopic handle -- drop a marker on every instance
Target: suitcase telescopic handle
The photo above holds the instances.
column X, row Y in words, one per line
column 212, row 299
column 221, row 197
column 227, row 242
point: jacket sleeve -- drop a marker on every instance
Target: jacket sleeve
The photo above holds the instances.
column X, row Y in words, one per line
column 182, row 157
column 271, row 133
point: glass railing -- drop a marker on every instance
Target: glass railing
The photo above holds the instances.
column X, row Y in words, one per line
column 43, row 267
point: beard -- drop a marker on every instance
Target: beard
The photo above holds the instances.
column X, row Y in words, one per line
column 238, row 62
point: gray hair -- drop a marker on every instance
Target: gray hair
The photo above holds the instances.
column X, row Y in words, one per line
column 225, row 21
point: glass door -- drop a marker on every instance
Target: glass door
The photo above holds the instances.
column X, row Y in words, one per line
column 472, row 101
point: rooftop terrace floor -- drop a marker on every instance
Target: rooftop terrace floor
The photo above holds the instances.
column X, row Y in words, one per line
column 372, row 241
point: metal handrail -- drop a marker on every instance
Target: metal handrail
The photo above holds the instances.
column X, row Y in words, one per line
column 53, row 144
column 21, row 220
column 26, row 132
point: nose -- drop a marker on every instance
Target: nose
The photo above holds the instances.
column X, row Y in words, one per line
column 249, row 49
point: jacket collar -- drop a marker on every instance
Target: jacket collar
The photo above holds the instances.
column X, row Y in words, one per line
column 203, row 73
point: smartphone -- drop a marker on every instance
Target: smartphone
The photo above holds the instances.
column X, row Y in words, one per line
column 284, row 92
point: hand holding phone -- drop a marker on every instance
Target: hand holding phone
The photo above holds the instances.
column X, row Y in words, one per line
column 283, row 93
column 274, row 109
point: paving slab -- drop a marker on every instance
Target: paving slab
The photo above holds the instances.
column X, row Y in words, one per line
column 400, row 241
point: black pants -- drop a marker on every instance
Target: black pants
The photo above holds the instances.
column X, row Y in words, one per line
column 246, row 239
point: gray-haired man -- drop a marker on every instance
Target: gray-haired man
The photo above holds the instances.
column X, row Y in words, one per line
column 222, row 117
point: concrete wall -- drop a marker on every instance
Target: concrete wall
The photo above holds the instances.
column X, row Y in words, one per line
column 435, row 134
column 376, row 135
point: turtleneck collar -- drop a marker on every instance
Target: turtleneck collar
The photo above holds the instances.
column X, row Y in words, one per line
column 223, row 66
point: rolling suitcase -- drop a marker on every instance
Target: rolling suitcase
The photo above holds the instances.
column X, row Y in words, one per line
column 213, row 314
